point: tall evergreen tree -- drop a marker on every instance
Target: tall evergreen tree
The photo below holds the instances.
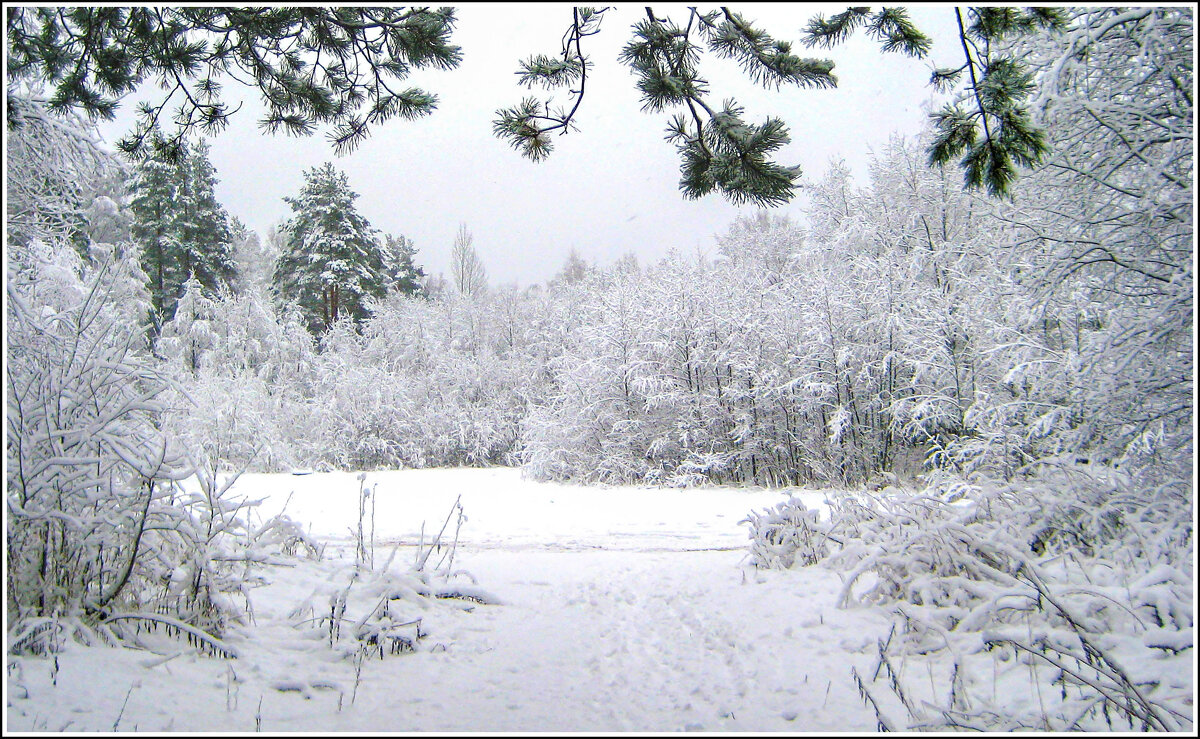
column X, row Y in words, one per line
column 332, row 263
column 182, row 230
column 206, row 229
column 404, row 276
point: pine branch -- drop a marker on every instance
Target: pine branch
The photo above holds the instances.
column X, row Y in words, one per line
column 522, row 125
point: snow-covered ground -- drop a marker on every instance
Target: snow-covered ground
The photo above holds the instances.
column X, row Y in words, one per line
column 509, row 513
column 619, row 609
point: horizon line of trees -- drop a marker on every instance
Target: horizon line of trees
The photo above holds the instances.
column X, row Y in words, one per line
column 1096, row 242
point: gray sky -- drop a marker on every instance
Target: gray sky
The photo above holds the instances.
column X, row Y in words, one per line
column 609, row 188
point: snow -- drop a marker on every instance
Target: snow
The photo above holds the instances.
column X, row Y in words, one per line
column 605, row 609
column 506, row 512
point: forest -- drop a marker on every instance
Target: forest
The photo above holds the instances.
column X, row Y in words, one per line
column 999, row 388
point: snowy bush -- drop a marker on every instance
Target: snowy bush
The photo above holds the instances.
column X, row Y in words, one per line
column 241, row 374
column 104, row 539
column 1076, row 679
column 427, row 382
column 790, row 534
column 1079, row 570
column 88, row 465
column 365, row 609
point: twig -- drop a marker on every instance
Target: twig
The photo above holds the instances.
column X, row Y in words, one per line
column 127, row 694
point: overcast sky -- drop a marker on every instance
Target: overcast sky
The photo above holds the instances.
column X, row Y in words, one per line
column 609, row 188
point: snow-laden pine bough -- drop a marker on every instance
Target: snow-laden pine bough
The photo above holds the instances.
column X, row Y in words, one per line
column 1059, row 603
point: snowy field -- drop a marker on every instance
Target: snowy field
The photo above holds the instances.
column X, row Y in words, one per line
column 614, row 609
column 586, row 609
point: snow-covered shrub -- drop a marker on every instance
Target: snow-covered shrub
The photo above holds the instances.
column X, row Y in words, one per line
column 1058, row 675
column 200, row 562
column 949, row 544
column 241, row 375
column 439, row 382
column 206, row 564
column 104, row 538
column 790, row 534
column 428, row 383
column 282, row 535
column 1081, row 570
column 362, row 609
column 88, row 465
column 1090, row 666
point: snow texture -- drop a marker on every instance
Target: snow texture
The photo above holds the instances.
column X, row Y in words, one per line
column 602, row 610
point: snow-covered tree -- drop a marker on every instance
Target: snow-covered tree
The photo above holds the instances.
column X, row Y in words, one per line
column 255, row 258
column 1107, row 226
column 207, row 233
column 89, row 466
column 332, row 263
column 764, row 241
column 63, row 184
column 575, row 269
column 405, row 276
column 467, row 272
column 182, row 230
column 434, row 285
column 189, row 337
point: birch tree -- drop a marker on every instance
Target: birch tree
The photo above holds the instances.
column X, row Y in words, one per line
column 467, row 273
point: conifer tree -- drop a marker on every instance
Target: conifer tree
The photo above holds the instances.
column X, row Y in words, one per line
column 332, row 262
column 152, row 195
column 337, row 66
column 206, row 230
column 404, row 276
column 182, row 230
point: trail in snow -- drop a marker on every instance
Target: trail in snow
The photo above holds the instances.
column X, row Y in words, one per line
column 606, row 641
